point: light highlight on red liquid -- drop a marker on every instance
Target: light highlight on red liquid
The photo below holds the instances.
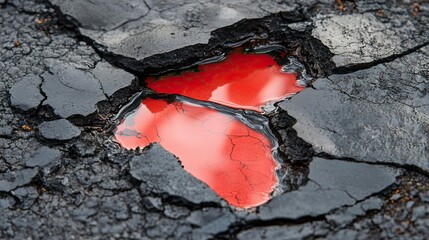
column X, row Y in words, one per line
column 245, row 81
column 234, row 160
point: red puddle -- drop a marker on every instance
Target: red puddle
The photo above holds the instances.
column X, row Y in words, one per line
column 246, row 81
column 234, row 160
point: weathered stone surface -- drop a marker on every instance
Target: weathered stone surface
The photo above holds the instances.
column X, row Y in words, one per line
column 60, row 129
column 364, row 37
column 25, row 94
column 161, row 173
column 45, row 158
column 12, row 180
column 375, row 115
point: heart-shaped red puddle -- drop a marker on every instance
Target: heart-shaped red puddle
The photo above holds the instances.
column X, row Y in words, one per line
column 245, row 81
column 234, row 160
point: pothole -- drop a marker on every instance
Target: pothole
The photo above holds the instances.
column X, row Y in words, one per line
column 213, row 119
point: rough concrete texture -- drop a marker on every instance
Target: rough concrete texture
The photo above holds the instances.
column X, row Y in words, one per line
column 367, row 109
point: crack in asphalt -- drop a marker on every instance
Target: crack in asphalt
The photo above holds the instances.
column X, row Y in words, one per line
column 363, row 66
column 41, row 92
column 407, row 167
column 239, row 227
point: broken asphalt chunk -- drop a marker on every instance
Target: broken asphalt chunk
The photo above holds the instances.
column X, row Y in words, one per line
column 111, row 79
column 6, row 202
column 359, row 180
column 60, row 129
column 131, row 30
column 304, row 203
column 332, row 184
column 101, row 14
column 363, row 37
column 71, row 91
column 45, row 158
column 373, row 115
column 12, row 180
column 161, row 173
column 211, row 221
column 26, row 196
column 152, row 203
column 345, row 216
column 285, row 232
column 25, row 94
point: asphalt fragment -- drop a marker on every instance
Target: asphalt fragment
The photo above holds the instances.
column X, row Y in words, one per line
column 102, row 15
column 172, row 35
column 26, row 94
column 83, row 88
column 11, row 180
column 365, row 37
column 211, row 222
column 60, row 129
column 26, row 196
column 138, row 32
column 359, row 180
column 375, row 115
column 331, row 185
column 161, row 173
column 46, row 158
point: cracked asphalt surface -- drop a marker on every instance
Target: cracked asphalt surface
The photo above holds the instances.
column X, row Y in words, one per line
column 354, row 144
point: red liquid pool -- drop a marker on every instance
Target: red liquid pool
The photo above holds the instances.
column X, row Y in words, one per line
column 234, row 160
column 245, row 81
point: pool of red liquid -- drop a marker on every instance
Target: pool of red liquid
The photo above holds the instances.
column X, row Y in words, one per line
column 231, row 158
column 242, row 80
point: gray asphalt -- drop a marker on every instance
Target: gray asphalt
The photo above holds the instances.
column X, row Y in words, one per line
column 354, row 143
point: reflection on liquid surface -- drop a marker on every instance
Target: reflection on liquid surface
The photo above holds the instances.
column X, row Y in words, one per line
column 234, row 160
column 246, row 81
